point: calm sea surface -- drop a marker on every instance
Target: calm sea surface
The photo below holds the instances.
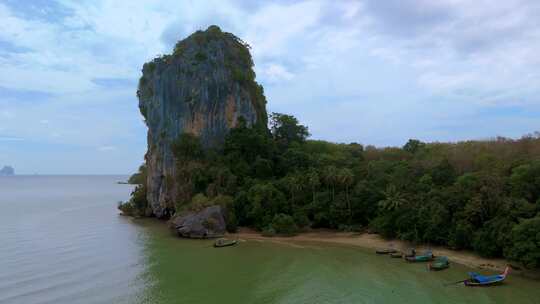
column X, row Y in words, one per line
column 62, row 241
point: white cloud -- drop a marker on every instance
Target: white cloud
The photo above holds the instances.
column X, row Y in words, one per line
column 455, row 43
column 274, row 72
column 272, row 29
column 353, row 70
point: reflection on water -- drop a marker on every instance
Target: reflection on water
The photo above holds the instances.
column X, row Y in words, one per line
column 62, row 241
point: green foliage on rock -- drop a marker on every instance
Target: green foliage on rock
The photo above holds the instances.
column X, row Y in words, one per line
column 187, row 147
column 137, row 204
column 139, row 178
column 227, row 48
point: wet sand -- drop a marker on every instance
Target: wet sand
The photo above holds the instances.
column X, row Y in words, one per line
column 374, row 241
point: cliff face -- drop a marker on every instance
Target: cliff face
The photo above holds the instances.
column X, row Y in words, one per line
column 203, row 88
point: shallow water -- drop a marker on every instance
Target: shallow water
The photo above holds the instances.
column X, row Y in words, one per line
column 62, row 241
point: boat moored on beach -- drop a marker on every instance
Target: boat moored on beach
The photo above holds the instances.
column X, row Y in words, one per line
column 385, row 251
column 439, row 263
column 224, row 243
column 481, row 280
column 425, row 257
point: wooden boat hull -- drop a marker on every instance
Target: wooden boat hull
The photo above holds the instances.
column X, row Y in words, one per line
column 225, row 244
column 419, row 259
column 396, row 255
column 471, row 283
column 426, row 257
column 435, row 267
column 477, row 280
column 385, row 251
column 439, row 263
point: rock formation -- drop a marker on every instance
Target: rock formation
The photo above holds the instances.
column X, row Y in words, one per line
column 7, row 171
column 208, row 223
column 203, row 88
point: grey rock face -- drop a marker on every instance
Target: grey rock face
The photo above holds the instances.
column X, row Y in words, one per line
column 203, row 88
column 208, row 223
column 7, row 171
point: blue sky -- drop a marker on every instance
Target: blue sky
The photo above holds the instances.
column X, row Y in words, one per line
column 368, row 71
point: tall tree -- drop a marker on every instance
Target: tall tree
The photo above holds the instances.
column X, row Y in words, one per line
column 286, row 129
column 345, row 178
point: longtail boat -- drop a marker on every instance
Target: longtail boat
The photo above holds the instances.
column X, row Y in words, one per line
column 396, row 255
column 481, row 280
column 385, row 251
column 439, row 263
column 224, row 243
column 410, row 252
column 426, row 257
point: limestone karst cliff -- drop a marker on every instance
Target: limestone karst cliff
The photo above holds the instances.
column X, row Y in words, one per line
column 202, row 88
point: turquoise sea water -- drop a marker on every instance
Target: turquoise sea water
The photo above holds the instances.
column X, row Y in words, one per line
column 62, row 241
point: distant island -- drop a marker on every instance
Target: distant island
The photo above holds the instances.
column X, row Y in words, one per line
column 216, row 161
column 7, row 171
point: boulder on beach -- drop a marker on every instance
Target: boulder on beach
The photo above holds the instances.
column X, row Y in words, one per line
column 207, row 223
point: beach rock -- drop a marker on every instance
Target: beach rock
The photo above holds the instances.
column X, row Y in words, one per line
column 207, row 223
column 203, row 88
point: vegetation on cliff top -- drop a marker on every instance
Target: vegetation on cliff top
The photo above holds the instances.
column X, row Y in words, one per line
column 213, row 47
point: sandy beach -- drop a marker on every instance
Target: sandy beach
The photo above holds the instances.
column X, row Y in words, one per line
column 374, row 241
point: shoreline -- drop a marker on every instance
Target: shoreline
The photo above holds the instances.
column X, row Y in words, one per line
column 374, row 241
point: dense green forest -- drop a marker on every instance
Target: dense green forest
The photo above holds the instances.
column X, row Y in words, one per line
column 479, row 195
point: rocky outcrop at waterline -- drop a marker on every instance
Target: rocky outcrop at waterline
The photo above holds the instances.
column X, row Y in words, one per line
column 202, row 88
column 207, row 223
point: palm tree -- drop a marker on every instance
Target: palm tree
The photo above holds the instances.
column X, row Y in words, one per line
column 345, row 178
column 393, row 199
column 330, row 179
column 294, row 185
column 314, row 182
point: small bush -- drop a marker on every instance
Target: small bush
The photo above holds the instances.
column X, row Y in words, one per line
column 126, row 208
column 200, row 57
column 187, row 147
column 383, row 225
column 199, row 202
column 301, row 219
column 139, row 178
column 284, row 224
column 137, row 205
column 268, row 231
column 350, row 228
